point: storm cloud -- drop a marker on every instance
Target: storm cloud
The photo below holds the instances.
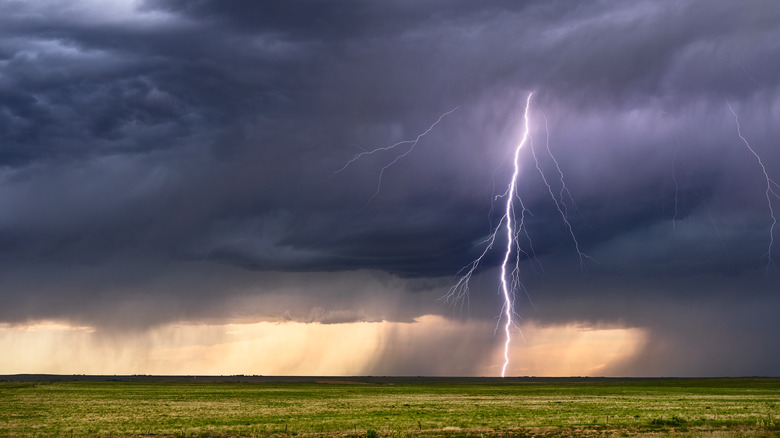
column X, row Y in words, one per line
column 165, row 161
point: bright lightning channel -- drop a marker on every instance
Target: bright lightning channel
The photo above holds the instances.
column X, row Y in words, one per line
column 769, row 192
column 509, row 278
column 514, row 227
column 510, row 234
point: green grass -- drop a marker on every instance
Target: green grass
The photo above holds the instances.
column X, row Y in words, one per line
column 393, row 407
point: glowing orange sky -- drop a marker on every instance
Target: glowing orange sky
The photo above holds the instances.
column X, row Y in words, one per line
column 295, row 348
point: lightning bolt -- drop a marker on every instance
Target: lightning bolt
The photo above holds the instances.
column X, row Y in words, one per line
column 512, row 223
column 560, row 205
column 514, row 228
column 769, row 192
column 410, row 147
column 510, row 234
column 510, row 280
column 564, row 187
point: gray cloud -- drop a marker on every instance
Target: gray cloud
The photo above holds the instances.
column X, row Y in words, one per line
column 178, row 156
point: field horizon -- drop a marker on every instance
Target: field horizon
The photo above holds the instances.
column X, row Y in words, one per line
column 44, row 405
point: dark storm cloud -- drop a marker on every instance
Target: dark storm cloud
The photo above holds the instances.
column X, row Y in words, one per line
column 141, row 145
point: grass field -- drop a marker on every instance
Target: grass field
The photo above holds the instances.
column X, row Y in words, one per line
column 401, row 407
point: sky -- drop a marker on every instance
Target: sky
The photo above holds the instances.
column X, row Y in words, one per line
column 174, row 197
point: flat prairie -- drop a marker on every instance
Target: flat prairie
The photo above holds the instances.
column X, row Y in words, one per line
column 258, row 406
